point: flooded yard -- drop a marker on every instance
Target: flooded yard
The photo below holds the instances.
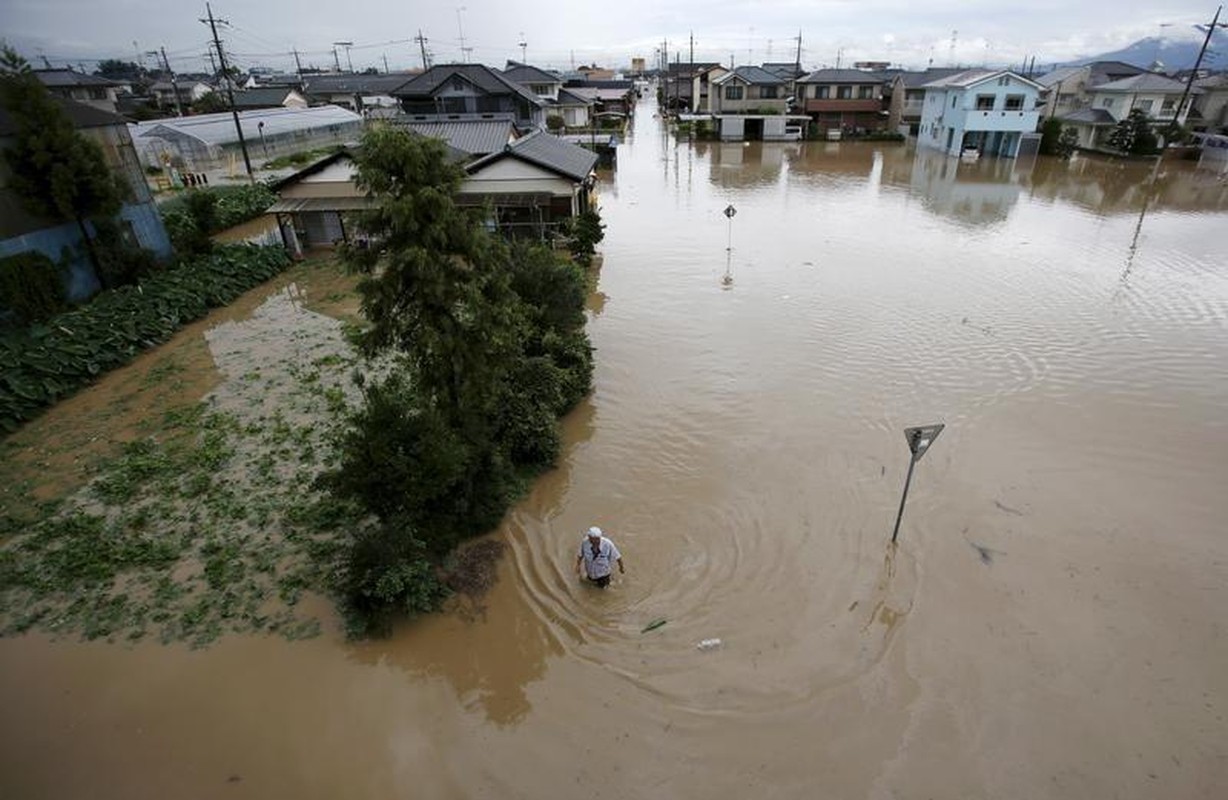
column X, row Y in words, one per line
column 1050, row 624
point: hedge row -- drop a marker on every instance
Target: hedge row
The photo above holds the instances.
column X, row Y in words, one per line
column 42, row 364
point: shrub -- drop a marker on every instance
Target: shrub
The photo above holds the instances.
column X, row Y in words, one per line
column 1067, row 143
column 1050, row 133
column 196, row 215
column 554, row 122
column 31, row 289
column 386, row 575
column 587, row 230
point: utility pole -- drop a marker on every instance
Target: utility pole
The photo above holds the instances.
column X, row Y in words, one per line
column 797, row 65
column 336, row 58
column 212, row 63
column 421, row 40
column 174, row 85
column 386, row 63
column 298, row 66
column 230, row 92
column 524, row 48
column 460, row 28
column 1189, row 83
column 692, row 50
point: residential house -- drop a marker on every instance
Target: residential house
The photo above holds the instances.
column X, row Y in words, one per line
column 701, row 87
column 595, row 73
column 914, row 93
column 1155, row 95
column 209, row 142
column 189, row 92
column 790, row 73
column 532, row 185
column 1069, row 89
column 544, row 84
column 269, row 97
column 610, row 98
column 452, row 90
column 843, row 99
column 677, row 87
column 91, row 90
column 1211, row 106
column 574, row 109
column 750, row 103
column 988, row 111
column 21, row 231
column 356, row 92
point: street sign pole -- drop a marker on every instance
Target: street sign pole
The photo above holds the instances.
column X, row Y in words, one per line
column 919, row 441
column 730, row 211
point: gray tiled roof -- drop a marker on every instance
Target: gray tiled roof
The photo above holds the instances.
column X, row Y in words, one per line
column 568, row 97
column 1145, row 82
column 915, row 80
column 474, row 137
column 753, row 75
column 481, row 76
column 548, row 151
column 357, row 84
column 63, row 78
column 261, row 98
column 81, row 115
column 525, row 74
column 1108, row 71
column 842, row 76
column 1059, row 75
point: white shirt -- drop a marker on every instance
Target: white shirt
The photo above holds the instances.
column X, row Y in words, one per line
column 601, row 563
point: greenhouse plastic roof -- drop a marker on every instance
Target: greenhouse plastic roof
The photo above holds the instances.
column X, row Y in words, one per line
column 217, row 130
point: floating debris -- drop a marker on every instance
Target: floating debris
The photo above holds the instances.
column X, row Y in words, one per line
column 652, row 626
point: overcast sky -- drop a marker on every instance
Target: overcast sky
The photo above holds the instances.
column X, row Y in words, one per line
column 559, row 33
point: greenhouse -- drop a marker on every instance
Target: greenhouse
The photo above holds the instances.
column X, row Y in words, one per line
column 210, row 141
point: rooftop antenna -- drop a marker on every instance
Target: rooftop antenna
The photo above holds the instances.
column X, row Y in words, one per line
column 524, row 46
column 951, row 54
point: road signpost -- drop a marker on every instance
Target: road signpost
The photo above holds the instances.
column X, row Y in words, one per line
column 919, row 440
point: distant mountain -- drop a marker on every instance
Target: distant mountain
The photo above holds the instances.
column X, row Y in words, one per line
column 1174, row 52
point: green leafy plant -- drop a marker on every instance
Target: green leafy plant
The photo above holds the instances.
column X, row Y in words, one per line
column 44, row 363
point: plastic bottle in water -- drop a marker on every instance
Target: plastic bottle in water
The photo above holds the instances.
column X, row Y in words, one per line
column 708, row 644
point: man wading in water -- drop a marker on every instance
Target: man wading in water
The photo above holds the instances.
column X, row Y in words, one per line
column 597, row 553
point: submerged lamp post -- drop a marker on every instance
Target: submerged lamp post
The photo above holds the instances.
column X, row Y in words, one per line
column 919, row 441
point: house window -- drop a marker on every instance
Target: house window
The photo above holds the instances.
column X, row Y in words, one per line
column 98, row 94
column 984, row 102
column 1108, row 102
column 767, row 92
column 458, row 85
column 733, row 92
column 1167, row 106
column 954, row 97
column 1144, row 106
column 540, row 88
column 823, row 92
column 844, row 92
column 1014, row 102
column 865, row 92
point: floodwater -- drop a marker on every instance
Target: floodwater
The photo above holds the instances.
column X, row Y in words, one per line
column 1051, row 624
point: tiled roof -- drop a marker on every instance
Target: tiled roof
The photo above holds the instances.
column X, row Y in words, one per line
column 262, row 98
column 568, row 97
column 81, row 115
column 488, row 80
column 1060, row 75
column 64, row 78
column 1145, row 82
column 548, row 151
column 753, row 75
column 357, row 84
column 842, row 76
column 915, row 80
column 474, row 137
column 1108, row 71
column 525, row 74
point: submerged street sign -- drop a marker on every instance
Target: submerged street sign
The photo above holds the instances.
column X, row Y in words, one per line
column 730, row 211
column 920, row 438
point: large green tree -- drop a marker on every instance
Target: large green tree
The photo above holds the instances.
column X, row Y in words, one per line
column 57, row 172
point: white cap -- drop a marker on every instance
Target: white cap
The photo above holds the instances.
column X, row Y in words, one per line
column 594, row 531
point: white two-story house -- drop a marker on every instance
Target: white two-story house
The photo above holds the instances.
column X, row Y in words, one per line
column 984, row 110
column 1155, row 95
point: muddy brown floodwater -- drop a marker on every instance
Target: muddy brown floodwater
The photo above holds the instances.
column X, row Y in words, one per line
column 1051, row 625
